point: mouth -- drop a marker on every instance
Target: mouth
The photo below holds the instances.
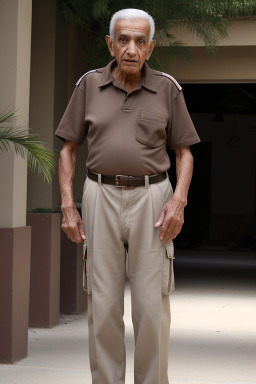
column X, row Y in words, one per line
column 130, row 61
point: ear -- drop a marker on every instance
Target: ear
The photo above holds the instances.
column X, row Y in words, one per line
column 151, row 48
column 110, row 45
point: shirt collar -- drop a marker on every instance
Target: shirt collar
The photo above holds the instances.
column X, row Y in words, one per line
column 146, row 81
column 106, row 73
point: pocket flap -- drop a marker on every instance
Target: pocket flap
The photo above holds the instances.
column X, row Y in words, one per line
column 151, row 129
column 168, row 283
column 153, row 117
column 170, row 250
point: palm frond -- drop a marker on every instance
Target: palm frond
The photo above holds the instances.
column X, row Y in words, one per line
column 41, row 159
column 100, row 8
column 7, row 117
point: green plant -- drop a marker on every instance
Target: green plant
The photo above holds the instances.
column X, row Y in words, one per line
column 208, row 19
column 41, row 159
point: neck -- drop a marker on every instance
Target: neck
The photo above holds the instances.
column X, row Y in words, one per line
column 128, row 81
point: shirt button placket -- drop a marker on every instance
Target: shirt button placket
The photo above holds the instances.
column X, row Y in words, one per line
column 127, row 101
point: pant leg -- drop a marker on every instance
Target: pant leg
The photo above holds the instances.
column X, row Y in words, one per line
column 112, row 217
column 148, row 266
column 106, row 281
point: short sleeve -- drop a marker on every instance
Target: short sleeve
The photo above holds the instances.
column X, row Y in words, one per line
column 72, row 124
column 180, row 131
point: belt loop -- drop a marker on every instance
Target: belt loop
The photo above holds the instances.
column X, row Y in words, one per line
column 99, row 180
column 146, row 181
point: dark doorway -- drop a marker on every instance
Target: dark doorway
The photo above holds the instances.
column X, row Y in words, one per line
column 220, row 98
column 224, row 115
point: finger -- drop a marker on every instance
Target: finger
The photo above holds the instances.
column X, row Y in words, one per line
column 167, row 234
column 72, row 230
column 171, row 233
column 73, row 233
column 164, row 229
column 81, row 230
column 77, row 238
column 160, row 219
column 177, row 229
column 172, row 230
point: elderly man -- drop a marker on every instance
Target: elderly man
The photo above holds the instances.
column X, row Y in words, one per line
column 128, row 112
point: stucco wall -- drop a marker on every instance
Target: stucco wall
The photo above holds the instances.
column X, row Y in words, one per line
column 15, row 32
column 229, row 64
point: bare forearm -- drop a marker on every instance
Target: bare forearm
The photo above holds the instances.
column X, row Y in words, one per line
column 184, row 171
column 171, row 218
column 67, row 164
column 72, row 224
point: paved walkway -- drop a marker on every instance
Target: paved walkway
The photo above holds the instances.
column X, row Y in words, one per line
column 213, row 332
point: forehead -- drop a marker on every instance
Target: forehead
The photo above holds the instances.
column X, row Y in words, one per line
column 140, row 26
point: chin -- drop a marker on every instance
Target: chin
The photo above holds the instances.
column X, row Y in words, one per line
column 130, row 70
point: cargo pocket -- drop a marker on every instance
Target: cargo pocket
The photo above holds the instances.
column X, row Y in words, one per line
column 168, row 283
column 151, row 129
column 86, row 270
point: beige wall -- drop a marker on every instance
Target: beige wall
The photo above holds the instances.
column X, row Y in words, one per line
column 234, row 61
column 229, row 65
column 15, row 32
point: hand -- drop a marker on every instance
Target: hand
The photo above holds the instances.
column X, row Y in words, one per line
column 72, row 225
column 171, row 219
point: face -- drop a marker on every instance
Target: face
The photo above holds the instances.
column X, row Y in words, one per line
column 131, row 45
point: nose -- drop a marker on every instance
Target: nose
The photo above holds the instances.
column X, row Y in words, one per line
column 131, row 48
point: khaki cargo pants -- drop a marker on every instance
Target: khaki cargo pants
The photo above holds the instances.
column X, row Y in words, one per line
column 119, row 226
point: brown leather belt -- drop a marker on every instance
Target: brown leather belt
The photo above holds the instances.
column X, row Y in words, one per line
column 126, row 181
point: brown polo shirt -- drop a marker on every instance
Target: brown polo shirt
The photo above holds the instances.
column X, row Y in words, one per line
column 127, row 132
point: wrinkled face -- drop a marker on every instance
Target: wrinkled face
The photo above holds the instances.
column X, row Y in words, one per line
column 131, row 45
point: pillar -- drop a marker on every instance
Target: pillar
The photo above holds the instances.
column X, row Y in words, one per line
column 15, row 32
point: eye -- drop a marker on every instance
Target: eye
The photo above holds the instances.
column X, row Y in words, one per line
column 140, row 42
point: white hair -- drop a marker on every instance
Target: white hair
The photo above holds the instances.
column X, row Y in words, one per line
column 131, row 13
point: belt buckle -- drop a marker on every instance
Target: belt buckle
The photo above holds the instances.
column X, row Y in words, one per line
column 117, row 181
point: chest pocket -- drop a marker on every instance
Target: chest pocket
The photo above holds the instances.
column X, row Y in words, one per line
column 151, row 129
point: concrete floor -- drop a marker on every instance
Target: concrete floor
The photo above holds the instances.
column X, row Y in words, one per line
column 213, row 331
